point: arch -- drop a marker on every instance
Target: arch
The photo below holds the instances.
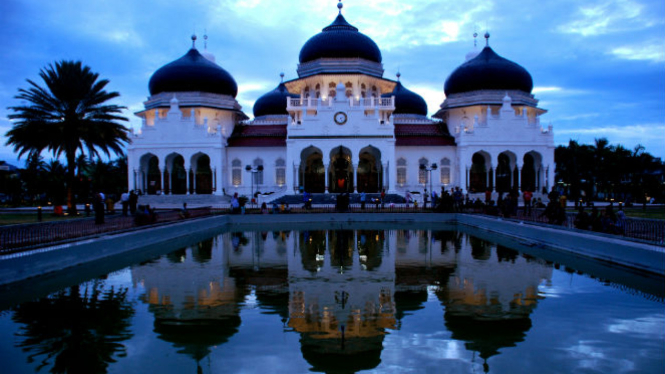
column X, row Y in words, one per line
column 506, row 172
column 150, row 173
column 349, row 89
column 479, row 175
column 531, row 169
column 202, row 174
column 341, row 170
column 332, row 92
column 258, row 176
column 312, row 171
column 175, row 175
column 370, row 170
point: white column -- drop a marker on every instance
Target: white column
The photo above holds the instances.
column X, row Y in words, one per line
column 164, row 179
column 194, row 181
column 355, row 178
column 326, row 172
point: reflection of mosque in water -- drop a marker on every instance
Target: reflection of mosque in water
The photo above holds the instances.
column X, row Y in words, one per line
column 342, row 290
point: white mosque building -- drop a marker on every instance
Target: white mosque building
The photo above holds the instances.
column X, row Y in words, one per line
column 340, row 127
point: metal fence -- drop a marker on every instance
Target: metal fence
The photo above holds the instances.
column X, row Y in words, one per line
column 16, row 238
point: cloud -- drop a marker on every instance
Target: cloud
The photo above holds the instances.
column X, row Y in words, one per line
column 652, row 51
column 604, row 17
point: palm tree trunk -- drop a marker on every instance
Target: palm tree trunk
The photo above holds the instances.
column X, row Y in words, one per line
column 71, row 178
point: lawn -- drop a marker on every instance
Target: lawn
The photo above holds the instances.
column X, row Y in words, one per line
column 16, row 218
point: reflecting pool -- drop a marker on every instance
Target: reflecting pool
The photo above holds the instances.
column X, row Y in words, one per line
column 340, row 301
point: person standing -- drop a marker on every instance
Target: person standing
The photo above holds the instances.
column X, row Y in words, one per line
column 133, row 200
column 98, row 206
column 527, row 195
column 124, row 200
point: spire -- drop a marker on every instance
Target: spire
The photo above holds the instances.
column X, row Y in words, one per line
column 398, row 75
column 475, row 39
column 281, row 76
column 487, row 38
column 193, row 41
column 340, row 6
column 205, row 40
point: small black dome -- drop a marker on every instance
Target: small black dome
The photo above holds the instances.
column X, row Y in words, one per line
column 407, row 101
column 274, row 102
column 193, row 72
column 488, row 71
column 340, row 40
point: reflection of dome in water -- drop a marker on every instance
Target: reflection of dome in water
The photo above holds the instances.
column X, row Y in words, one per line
column 195, row 337
column 335, row 356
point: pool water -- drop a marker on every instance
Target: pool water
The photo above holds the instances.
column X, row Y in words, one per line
column 344, row 301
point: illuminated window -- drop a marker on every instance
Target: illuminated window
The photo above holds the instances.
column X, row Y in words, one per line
column 445, row 171
column 401, row 172
column 422, row 173
column 236, row 172
column 280, row 172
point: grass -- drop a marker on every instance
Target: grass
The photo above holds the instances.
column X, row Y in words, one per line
column 31, row 217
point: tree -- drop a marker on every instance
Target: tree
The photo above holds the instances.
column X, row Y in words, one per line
column 69, row 116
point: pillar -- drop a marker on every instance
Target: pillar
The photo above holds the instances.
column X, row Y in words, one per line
column 355, row 178
column 327, row 176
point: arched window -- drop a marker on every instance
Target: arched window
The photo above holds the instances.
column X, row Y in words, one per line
column 236, row 172
column 349, row 89
column 401, row 172
column 331, row 90
column 375, row 92
column 422, row 173
column 363, row 90
column 445, row 171
column 306, row 92
column 280, row 172
column 259, row 174
column 318, row 90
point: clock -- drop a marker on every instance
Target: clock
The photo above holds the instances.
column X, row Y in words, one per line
column 340, row 118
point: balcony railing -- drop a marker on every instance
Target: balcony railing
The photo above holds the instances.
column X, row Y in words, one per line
column 381, row 103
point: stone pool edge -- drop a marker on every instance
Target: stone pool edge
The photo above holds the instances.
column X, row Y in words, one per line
column 644, row 257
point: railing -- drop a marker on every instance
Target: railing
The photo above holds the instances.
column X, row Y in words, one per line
column 15, row 238
column 372, row 102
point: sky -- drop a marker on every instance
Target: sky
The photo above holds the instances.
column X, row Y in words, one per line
column 598, row 66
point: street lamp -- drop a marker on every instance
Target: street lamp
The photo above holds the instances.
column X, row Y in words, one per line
column 429, row 169
column 253, row 170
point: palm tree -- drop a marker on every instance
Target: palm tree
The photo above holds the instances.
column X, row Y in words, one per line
column 67, row 117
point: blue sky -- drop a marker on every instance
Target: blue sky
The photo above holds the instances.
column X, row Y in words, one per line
column 598, row 66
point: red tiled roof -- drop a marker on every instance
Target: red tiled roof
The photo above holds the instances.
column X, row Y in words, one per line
column 258, row 136
column 421, row 135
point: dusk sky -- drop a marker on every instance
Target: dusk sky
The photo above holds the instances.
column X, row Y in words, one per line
column 598, row 66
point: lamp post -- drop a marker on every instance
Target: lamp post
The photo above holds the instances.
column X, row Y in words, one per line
column 429, row 169
column 253, row 170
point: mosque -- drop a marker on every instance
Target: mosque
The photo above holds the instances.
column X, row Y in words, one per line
column 341, row 126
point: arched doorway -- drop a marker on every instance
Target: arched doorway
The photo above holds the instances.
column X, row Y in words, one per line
column 153, row 181
column 530, row 171
column 314, row 178
column 370, row 170
column 203, row 175
column 478, row 174
column 506, row 173
column 341, row 171
column 177, row 176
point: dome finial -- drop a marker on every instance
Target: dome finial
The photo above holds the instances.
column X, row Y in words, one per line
column 281, row 75
column 193, row 41
column 205, row 39
column 487, row 38
column 340, row 6
column 398, row 75
column 475, row 38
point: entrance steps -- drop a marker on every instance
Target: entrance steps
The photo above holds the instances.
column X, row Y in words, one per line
column 331, row 198
column 176, row 201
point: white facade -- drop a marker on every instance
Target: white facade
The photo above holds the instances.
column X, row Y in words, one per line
column 340, row 135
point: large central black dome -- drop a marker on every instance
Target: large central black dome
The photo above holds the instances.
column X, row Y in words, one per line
column 340, row 40
column 488, row 71
column 193, row 72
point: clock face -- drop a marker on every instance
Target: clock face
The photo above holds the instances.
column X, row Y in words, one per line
column 340, row 118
